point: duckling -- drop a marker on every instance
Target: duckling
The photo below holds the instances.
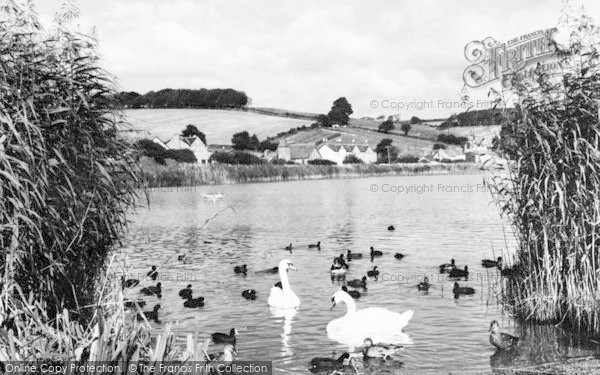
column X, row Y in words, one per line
column 249, row 294
column 153, row 273
column 350, row 255
column 129, row 283
column 374, row 273
column 150, row 315
column 447, row 267
column 241, row 269
column 459, row 290
column 320, row 364
column 186, row 293
column 227, row 355
column 398, row 256
column 375, row 253
column 151, row 290
column 317, row 246
column 342, row 261
column 424, row 285
column 358, row 283
column 222, row 338
column 391, row 227
column 131, row 304
column 353, row 293
column 458, row 273
column 488, row 263
column 384, row 351
column 193, row 302
column 501, row 340
column 289, row 248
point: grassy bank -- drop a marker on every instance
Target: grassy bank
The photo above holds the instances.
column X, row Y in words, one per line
column 172, row 174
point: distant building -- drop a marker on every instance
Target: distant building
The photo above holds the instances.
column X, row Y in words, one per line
column 448, row 155
column 193, row 144
column 475, row 152
column 338, row 152
column 332, row 146
column 297, row 152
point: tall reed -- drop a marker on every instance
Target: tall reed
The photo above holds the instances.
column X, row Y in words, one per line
column 552, row 192
column 66, row 179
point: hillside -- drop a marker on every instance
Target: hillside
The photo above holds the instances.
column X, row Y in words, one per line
column 421, row 131
column 218, row 125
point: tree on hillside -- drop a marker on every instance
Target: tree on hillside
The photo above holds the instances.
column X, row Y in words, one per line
column 415, row 120
column 191, row 130
column 323, row 120
column 386, row 126
column 253, row 142
column 340, row 112
column 241, row 140
column 406, row 128
column 385, row 151
column 267, row 145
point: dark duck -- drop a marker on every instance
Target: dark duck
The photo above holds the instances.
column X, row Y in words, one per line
column 152, row 290
column 243, row 269
column 353, row 293
column 186, row 292
column 447, row 267
column 150, row 315
column 320, row 364
column 223, row 338
column 424, row 285
column 488, row 263
column 374, row 273
column 249, row 294
column 315, row 246
column 462, row 290
column 153, row 273
column 458, row 273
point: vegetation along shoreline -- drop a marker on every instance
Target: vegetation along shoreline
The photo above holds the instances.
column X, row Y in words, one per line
column 155, row 175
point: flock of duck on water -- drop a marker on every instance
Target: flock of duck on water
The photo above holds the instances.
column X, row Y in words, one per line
column 375, row 332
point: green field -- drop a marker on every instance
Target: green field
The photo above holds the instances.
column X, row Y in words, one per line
column 218, row 125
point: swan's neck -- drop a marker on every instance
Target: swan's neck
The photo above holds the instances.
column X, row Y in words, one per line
column 285, row 283
column 350, row 304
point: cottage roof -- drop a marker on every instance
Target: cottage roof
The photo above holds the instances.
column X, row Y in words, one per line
column 301, row 151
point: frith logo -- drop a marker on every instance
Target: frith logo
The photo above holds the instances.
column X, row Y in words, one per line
column 494, row 61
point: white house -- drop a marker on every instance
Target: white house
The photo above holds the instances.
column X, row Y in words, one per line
column 448, row 155
column 365, row 153
column 193, row 144
column 338, row 152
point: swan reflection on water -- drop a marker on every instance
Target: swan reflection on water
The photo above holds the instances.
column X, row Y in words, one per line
column 288, row 316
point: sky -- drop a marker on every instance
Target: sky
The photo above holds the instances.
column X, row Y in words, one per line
column 386, row 57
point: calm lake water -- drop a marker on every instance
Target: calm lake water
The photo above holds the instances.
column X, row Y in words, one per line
column 434, row 222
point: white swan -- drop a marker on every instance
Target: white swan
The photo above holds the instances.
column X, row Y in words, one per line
column 284, row 297
column 381, row 325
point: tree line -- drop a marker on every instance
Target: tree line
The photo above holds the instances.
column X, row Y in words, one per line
column 184, row 98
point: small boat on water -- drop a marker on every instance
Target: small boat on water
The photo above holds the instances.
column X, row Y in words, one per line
column 213, row 196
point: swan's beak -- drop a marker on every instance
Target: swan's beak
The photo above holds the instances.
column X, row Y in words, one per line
column 291, row 266
column 332, row 304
